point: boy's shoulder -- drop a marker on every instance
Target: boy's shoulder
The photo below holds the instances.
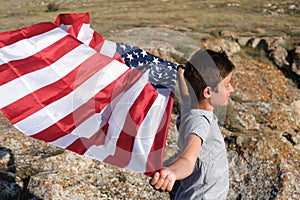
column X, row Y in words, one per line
column 196, row 117
column 201, row 113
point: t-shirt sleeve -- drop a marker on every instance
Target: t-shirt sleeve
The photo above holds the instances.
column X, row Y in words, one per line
column 199, row 126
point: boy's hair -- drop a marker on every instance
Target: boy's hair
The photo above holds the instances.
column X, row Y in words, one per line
column 207, row 68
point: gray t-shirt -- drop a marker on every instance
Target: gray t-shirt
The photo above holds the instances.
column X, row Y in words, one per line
column 210, row 178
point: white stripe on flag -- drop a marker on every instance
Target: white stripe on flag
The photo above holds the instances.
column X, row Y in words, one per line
column 33, row 81
column 109, row 48
column 57, row 110
column 117, row 120
column 146, row 133
column 85, row 34
column 65, row 141
column 28, row 47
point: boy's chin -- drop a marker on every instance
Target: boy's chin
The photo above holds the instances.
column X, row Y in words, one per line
column 225, row 103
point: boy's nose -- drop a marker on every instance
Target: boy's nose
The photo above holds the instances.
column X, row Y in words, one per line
column 231, row 88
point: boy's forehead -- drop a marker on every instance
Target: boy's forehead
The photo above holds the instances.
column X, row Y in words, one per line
column 227, row 79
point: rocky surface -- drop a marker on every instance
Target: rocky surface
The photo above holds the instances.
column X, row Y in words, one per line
column 260, row 126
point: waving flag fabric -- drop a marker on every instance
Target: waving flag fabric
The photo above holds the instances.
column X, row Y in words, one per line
column 163, row 73
column 78, row 25
column 64, row 84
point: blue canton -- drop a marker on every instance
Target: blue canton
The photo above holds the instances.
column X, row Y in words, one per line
column 162, row 73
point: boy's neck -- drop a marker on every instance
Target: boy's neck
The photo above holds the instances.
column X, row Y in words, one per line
column 205, row 105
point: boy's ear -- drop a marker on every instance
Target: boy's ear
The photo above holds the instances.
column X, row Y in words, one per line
column 207, row 92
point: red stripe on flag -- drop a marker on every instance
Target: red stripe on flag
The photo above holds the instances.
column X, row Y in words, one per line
column 14, row 69
column 96, row 42
column 10, row 37
column 118, row 57
column 70, row 19
column 134, row 119
column 155, row 157
column 94, row 105
column 81, row 145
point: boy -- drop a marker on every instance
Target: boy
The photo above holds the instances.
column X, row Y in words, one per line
column 202, row 166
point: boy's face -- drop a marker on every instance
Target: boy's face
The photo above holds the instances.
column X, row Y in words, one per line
column 221, row 96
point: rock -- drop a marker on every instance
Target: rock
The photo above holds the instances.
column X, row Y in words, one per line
column 160, row 41
column 279, row 56
column 5, row 162
column 243, row 41
column 254, row 81
column 295, row 106
column 9, row 191
column 253, row 42
column 296, row 60
column 297, row 147
column 264, row 44
column 219, row 44
column 229, row 35
column 261, row 158
column 242, row 119
column 277, row 50
column 47, row 174
column 292, row 7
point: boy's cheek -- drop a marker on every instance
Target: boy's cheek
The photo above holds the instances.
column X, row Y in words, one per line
column 220, row 101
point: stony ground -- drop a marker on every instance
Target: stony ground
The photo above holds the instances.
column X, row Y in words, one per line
column 262, row 131
column 271, row 17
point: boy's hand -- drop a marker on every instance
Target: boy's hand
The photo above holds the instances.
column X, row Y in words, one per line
column 180, row 69
column 163, row 180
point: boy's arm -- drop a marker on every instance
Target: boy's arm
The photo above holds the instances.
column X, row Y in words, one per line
column 183, row 89
column 181, row 168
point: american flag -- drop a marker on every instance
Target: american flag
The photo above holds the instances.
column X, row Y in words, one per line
column 64, row 84
column 162, row 72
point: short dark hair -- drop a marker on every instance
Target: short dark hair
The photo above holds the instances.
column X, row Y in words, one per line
column 207, row 68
